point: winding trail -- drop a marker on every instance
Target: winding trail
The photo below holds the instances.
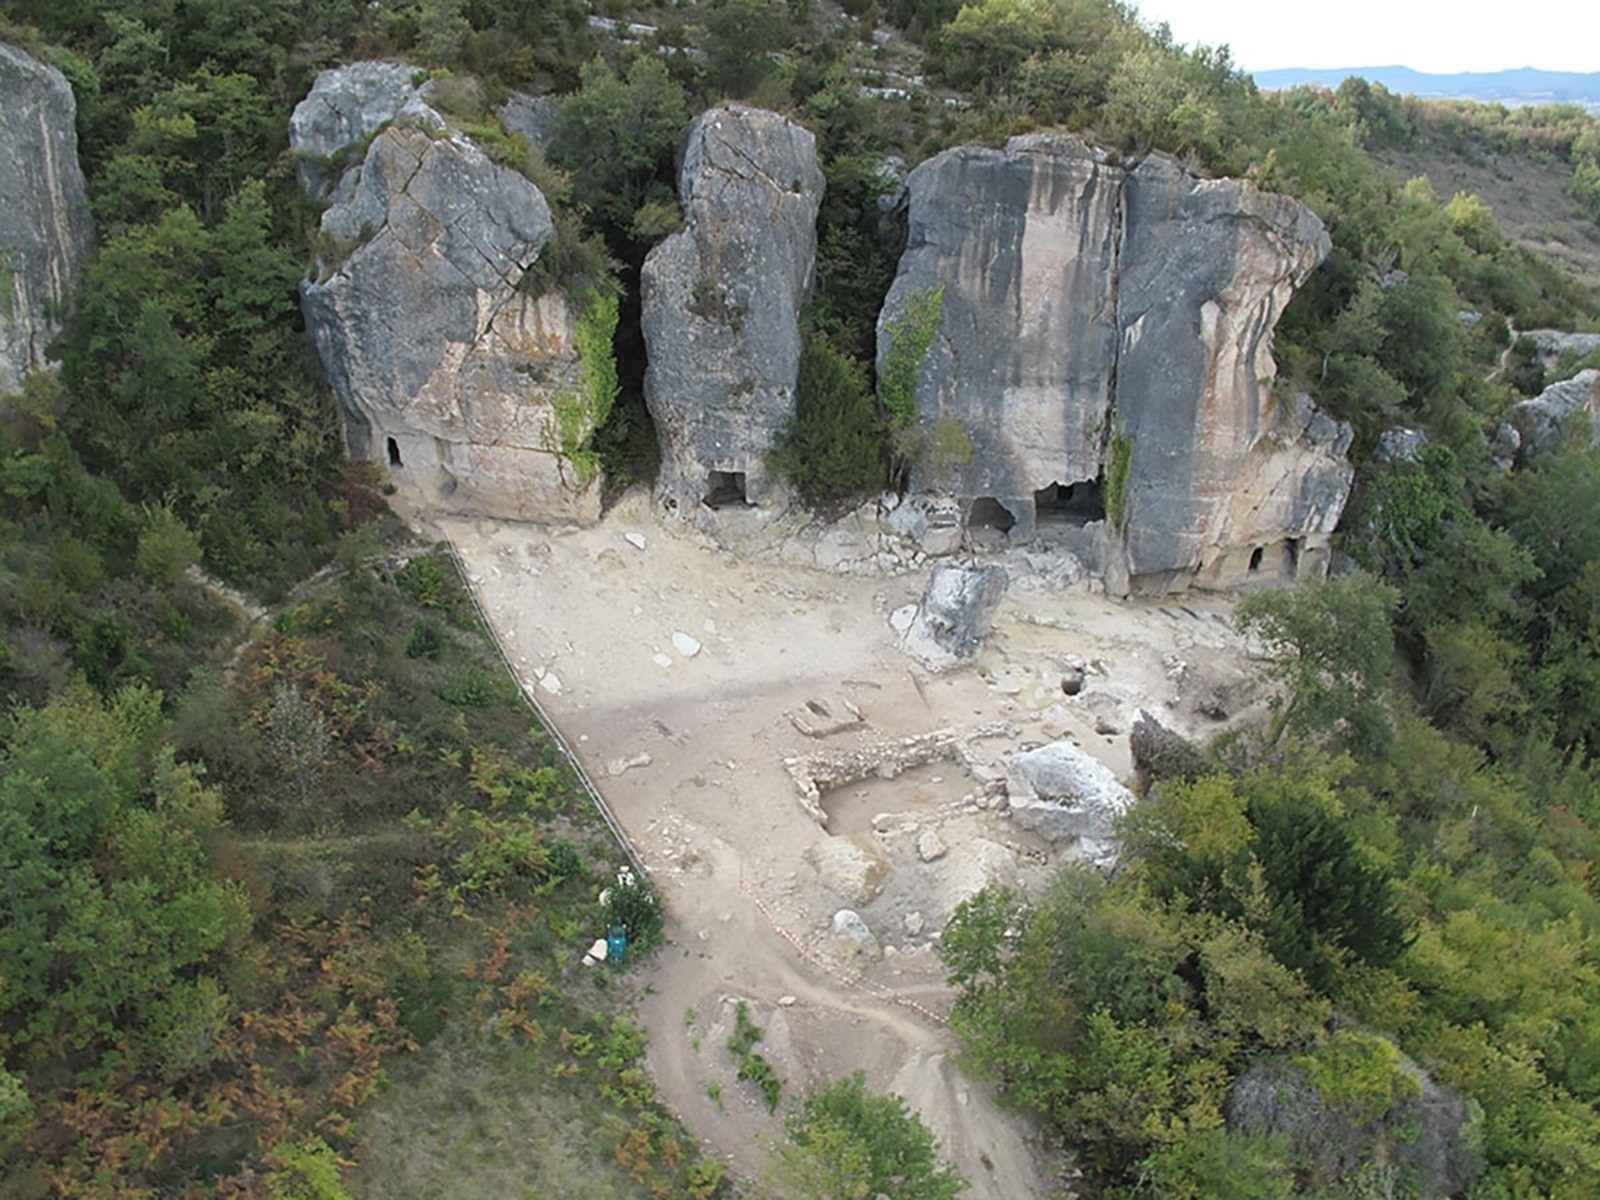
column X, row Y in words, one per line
column 686, row 737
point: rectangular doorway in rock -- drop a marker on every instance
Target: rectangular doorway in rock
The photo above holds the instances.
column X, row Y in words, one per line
column 1076, row 504
column 394, row 452
column 725, row 489
column 1256, row 556
column 1291, row 557
column 988, row 513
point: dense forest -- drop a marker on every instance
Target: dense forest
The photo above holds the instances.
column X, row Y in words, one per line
column 273, row 824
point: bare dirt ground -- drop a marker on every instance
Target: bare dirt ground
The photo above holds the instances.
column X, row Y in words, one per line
column 588, row 618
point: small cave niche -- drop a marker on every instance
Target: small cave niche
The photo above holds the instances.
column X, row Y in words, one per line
column 725, row 489
column 988, row 513
column 1256, row 556
column 1075, row 504
column 394, row 452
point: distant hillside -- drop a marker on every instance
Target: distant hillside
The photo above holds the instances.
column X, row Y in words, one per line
column 1523, row 86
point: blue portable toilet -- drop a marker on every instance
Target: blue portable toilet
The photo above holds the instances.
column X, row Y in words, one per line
column 616, row 945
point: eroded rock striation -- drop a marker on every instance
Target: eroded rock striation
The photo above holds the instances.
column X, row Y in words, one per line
column 721, row 310
column 46, row 231
column 1102, row 338
column 446, row 366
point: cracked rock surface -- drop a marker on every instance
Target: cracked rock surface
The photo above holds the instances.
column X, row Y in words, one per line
column 444, row 367
column 1089, row 303
column 721, row 313
column 45, row 228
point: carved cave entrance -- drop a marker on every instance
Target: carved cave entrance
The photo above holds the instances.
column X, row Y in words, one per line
column 726, row 489
column 1287, row 556
column 988, row 513
column 394, row 452
column 1076, row 504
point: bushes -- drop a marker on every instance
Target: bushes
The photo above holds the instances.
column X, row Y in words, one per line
column 833, row 448
column 634, row 904
column 845, row 1141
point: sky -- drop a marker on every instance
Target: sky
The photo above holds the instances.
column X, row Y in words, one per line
column 1427, row 35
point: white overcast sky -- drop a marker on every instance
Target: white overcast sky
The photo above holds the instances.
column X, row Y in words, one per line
column 1428, row 35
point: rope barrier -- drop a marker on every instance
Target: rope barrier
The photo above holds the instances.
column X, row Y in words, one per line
column 849, row 979
column 550, row 728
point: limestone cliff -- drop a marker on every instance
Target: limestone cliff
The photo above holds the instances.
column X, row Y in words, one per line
column 1103, row 338
column 1023, row 244
column 1206, row 269
column 721, row 309
column 445, row 367
column 46, row 231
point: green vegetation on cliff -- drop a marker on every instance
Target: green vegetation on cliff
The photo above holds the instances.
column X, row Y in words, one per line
column 244, row 866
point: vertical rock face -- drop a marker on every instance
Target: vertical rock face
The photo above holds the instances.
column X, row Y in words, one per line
column 1104, row 328
column 346, row 106
column 445, row 368
column 1023, row 242
column 1207, row 268
column 721, row 309
column 45, row 228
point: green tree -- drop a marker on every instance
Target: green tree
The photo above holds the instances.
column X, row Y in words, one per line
column 1334, row 653
column 845, row 1143
column 833, row 448
column 616, row 137
column 114, row 918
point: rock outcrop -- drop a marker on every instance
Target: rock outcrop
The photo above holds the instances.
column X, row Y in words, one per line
column 46, row 231
column 1428, row 1133
column 1021, row 247
column 953, row 620
column 1540, row 422
column 721, row 310
column 446, row 366
column 1100, row 329
column 344, row 108
column 1551, row 344
column 1062, row 793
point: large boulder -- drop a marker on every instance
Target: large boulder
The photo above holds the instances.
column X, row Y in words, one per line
column 1427, row 1132
column 955, row 615
column 721, row 311
column 1099, row 328
column 446, row 366
column 46, row 231
column 851, row 871
column 1540, row 422
column 1552, row 344
column 1062, row 793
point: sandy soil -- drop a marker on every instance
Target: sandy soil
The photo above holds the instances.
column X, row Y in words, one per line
column 589, row 618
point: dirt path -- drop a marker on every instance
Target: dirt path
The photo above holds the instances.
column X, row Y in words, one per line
column 673, row 670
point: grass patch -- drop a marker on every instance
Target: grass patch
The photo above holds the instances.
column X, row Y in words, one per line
column 753, row 1068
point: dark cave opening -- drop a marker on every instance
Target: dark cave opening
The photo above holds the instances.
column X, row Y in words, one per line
column 1070, row 503
column 725, row 489
column 988, row 513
